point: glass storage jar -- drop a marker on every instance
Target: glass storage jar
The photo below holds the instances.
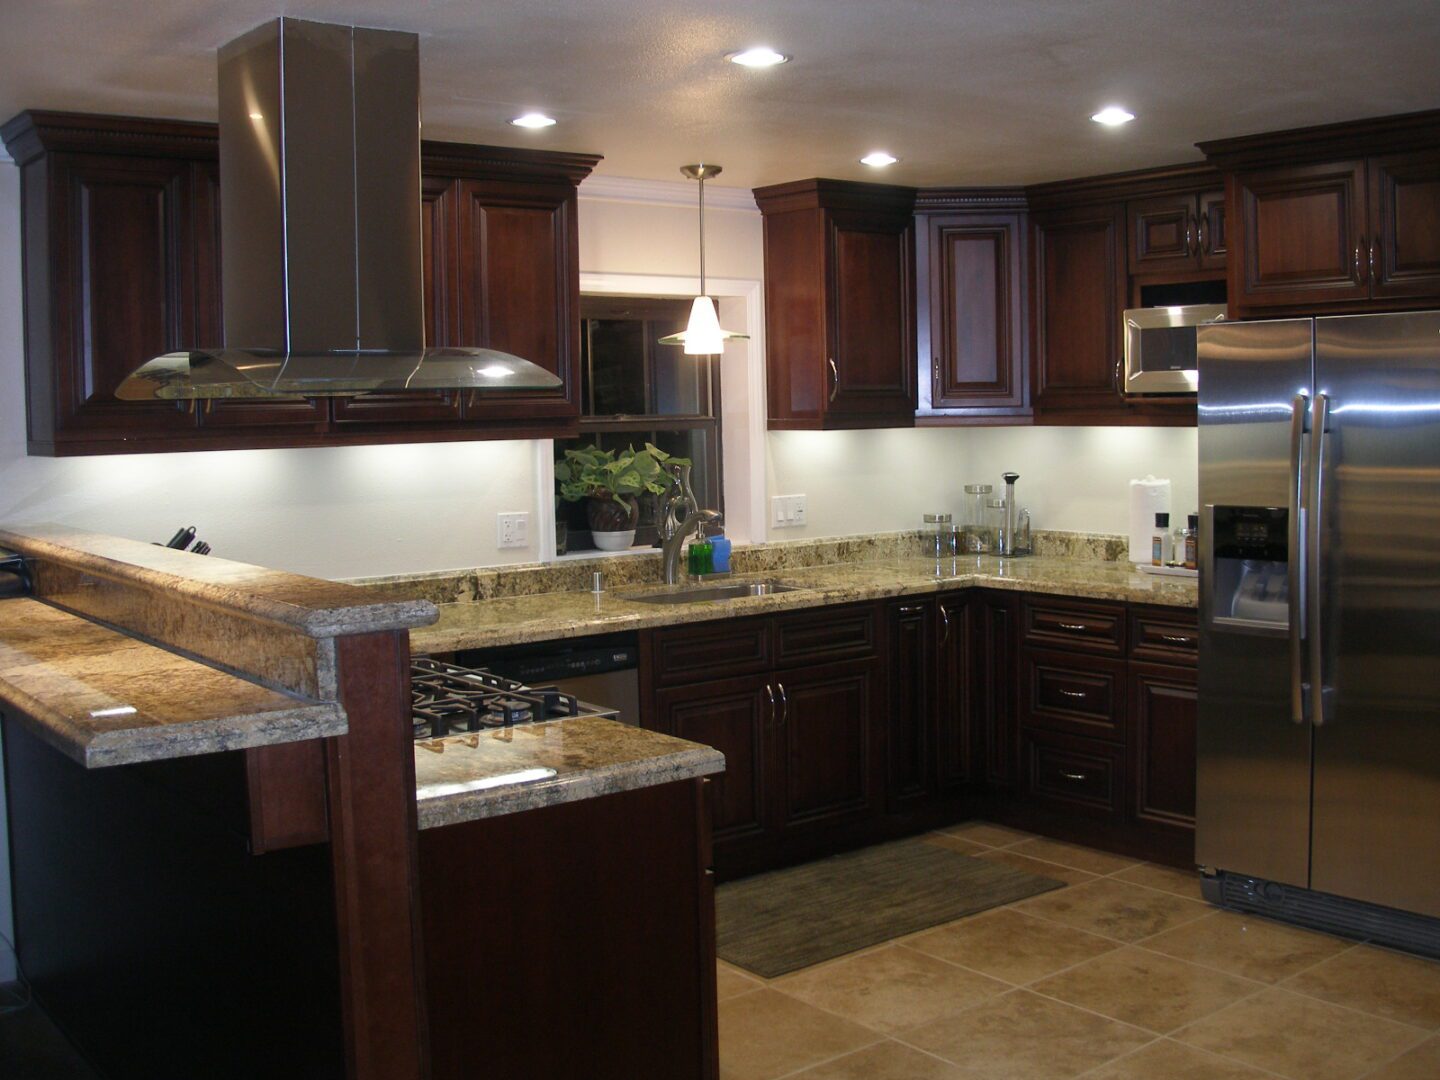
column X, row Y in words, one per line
column 939, row 533
column 976, row 535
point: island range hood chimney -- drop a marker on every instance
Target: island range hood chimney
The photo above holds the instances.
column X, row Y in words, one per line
column 320, row 229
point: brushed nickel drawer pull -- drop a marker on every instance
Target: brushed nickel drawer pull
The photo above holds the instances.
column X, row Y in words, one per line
column 1077, row 627
column 911, row 609
column 1076, row 776
column 1079, row 695
column 1178, row 640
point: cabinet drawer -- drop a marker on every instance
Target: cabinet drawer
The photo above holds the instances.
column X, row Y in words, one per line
column 1166, row 635
column 1084, row 627
column 1079, row 775
column 712, row 650
column 825, row 634
column 1079, row 696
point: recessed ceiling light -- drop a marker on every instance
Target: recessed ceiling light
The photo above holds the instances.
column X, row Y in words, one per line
column 878, row 159
column 760, row 57
column 534, row 120
column 1113, row 116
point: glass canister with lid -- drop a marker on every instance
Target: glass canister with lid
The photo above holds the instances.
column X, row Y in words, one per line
column 939, row 533
column 977, row 535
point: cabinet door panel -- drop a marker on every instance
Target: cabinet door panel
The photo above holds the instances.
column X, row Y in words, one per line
column 1213, row 244
column 1405, row 216
column 1079, row 277
column 124, row 283
column 1303, row 236
column 732, row 716
column 518, row 293
column 995, row 679
column 976, row 314
column 957, row 738
column 1163, row 714
column 909, row 725
column 827, row 734
column 871, row 310
column 1163, row 233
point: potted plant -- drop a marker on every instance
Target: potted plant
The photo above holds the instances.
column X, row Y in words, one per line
column 611, row 483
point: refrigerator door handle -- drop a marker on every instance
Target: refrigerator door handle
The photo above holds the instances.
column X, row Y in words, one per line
column 1296, row 565
column 1319, row 406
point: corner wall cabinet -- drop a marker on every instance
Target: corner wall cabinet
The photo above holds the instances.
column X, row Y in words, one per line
column 839, row 304
column 121, row 249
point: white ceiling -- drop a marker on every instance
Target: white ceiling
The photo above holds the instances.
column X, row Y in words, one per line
column 962, row 91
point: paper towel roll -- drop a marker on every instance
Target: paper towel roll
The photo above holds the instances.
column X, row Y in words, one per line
column 1148, row 497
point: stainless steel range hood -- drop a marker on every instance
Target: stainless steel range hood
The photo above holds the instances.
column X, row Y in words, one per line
column 320, row 229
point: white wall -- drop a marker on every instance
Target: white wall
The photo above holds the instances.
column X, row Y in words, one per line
column 1072, row 479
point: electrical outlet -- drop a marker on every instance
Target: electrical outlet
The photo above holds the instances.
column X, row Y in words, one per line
column 512, row 530
column 787, row 511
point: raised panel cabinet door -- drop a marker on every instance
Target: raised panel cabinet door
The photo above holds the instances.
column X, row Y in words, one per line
column 311, row 414
column 1405, row 225
column 440, row 238
column 872, row 313
column 995, row 679
column 1214, row 247
column 827, row 747
column 734, row 716
column 976, row 312
column 519, row 288
column 1164, row 233
column 1079, row 288
column 910, row 733
column 121, row 289
column 957, row 740
column 1163, row 715
column 1302, row 236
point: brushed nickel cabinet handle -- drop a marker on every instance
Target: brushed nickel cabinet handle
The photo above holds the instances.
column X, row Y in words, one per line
column 1372, row 261
column 834, row 379
column 770, row 693
column 1203, row 235
column 784, row 704
column 1189, row 235
column 1359, row 266
column 1077, row 627
column 1079, row 695
column 945, row 624
column 1076, row 776
column 1176, row 639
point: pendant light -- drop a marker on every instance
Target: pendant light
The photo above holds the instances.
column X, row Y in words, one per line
column 702, row 335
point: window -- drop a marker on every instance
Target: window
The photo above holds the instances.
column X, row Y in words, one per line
column 634, row 390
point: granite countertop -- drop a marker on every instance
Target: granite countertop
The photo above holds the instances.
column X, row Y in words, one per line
column 103, row 698
column 553, row 615
column 504, row 771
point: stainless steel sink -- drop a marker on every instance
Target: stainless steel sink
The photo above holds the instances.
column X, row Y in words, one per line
column 701, row 593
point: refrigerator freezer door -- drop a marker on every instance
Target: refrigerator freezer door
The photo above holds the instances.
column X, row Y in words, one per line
column 1253, row 777
column 1377, row 755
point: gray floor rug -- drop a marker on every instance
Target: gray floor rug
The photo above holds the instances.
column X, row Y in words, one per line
column 789, row 919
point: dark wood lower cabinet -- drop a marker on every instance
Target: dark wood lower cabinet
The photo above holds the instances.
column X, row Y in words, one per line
column 911, row 726
column 573, row 941
column 1163, row 715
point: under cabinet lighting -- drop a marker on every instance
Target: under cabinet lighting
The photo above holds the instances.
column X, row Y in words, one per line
column 1113, row 116
column 760, row 57
column 878, row 159
column 534, row 120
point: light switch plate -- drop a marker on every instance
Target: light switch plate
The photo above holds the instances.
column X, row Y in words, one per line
column 512, row 530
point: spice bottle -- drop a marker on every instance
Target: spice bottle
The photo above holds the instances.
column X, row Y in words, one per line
column 1192, row 542
column 1160, row 543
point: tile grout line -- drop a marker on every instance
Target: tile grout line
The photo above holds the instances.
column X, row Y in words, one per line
column 826, row 1061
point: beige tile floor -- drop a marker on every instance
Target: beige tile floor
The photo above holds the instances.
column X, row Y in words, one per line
column 1124, row 974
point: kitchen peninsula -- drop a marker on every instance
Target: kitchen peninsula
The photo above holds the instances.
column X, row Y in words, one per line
column 213, row 807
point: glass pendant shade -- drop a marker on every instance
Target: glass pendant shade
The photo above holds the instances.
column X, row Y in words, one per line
column 702, row 335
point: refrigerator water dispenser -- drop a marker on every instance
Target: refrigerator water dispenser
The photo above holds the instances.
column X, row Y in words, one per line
column 1250, row 575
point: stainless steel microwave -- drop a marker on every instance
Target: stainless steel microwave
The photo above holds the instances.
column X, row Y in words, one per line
column 1160, row 347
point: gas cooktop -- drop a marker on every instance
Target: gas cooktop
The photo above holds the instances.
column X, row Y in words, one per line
column 447, row 699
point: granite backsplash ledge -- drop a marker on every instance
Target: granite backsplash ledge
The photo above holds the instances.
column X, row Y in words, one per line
column 642, row 567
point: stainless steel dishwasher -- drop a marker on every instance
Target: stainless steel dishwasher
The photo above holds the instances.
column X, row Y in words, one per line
column 602, row 670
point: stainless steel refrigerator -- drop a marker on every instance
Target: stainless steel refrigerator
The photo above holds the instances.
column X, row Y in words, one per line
column 1319, row 741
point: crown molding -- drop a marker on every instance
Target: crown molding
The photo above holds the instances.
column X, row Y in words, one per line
column 665, row 193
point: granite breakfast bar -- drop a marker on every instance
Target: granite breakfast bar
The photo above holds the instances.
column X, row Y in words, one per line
column 220, row 757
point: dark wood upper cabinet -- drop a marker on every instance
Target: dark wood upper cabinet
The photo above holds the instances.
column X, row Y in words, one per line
column 1181, row 231
column 973, row 313
column 1405, row 225
column 121, row 256
column 839, row 304
column 1334, row 219
column 1078, row 290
